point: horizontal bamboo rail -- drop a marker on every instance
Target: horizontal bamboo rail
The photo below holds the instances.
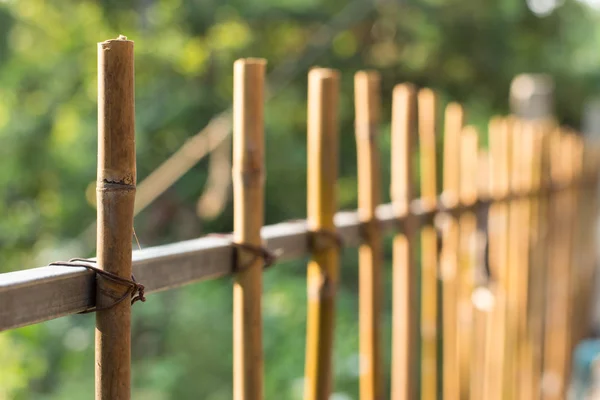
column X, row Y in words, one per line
column 35, row 295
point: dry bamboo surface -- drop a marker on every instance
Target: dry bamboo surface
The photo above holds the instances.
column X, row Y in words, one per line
column 429, row 275
column 482, row 297
column 453, row 123
column 115, row 199
column 248, row 202
column 559, row 279
column 538, row 221
column 499, row 145
column 588, row 211
column 523, row 166
column 579, row 252
column 571, row 145
column 515, row 267
column 323, row 269
column 405, row 310
column 367, row 105
column 469, row 371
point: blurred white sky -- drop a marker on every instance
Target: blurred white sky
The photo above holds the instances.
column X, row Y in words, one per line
column 545, row 7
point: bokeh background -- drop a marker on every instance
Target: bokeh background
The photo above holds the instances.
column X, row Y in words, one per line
column 465, row 49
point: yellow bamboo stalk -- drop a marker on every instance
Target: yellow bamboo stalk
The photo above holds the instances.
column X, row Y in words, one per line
column 454, row 119
column 572, row 147
column 499, row 145
column 579, row 249
column 470, row 372
column 538, row 256
column 588, row 204
column 526, row 142
column 115, row 199
column 405, row 295
column 483, row 297
column 367, row 104
column 556, row 340
column 427, row 153
column 248, row 202
column 323, row 269
column 515, row 268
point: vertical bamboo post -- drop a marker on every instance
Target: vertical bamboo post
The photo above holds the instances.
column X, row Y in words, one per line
column 531, row 100
column 405, row 310
column 367, row 103
column 539, row 246
column 516, row 226
column 589, row 216
column 322, row 275
column 483, row 296
column 578, row 250
column 558, row 277
column 514, row 270
column 573, row 150
column 525, row 161
column 115, row 199
column 469, row 371
column 499, row 143
column 429, row 277
column 248, row 201
column 454, row 119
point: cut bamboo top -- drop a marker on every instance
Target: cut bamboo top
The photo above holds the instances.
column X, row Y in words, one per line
column 499, row 144
column 402, row 188
column 366, row 95
column 323, row 88
column 367, row 106
column 116, row 141
column 453, row 124
column 427, row 144
column 248, row 116
column 468, row 165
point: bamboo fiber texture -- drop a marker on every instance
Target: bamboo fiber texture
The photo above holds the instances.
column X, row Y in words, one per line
column 323, row 268
column 453, row 123
column 248, row 201
column 367, row 106
column 405, row 311
column 429, row 257
column 115, row 199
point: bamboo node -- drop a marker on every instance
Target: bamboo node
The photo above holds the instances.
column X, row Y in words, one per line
column 134, row 289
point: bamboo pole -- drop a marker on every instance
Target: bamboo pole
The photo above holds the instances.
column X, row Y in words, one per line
column 499, row 144
column 248, row 201
column 405, row 296
column 556, row 338
column 515, row 267
column 588, row 204
column 483, row 296
column 526, row 156
column 470, row 372
column 367, row 103
column 323, row 269
column 572, row 166
column 429, row 277
column 454, row 119
column 115, row 199
column 539, row 247
column 517, row 225
column 578, row 250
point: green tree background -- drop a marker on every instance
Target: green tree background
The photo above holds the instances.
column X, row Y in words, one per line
column 467, row 50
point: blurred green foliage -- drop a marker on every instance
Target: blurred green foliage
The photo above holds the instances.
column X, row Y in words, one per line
column 467, row 50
